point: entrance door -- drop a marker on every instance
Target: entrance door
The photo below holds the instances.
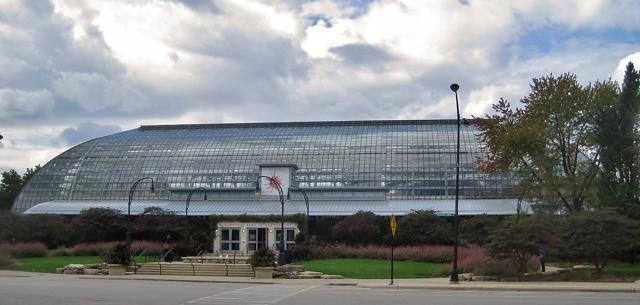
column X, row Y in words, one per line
column 256, row 239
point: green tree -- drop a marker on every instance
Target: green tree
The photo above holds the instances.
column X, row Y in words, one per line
column 519, row 242
column 9, row 188
column 597, row 236
column 11, row 184
column 548, row 143
column 30, row 172
column 620, row 152
column 423, row 227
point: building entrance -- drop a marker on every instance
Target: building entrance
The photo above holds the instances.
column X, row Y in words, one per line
column 256, row 239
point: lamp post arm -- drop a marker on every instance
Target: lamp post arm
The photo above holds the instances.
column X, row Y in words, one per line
column 132, row 191
column 281, row 258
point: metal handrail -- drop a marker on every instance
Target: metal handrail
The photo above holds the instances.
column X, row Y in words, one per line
column 201, row 256
column 165, row 255
column 144, row 251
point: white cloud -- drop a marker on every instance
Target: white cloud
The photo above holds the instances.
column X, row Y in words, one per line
column 94, row 92
column 21, row 104
column 481, row 100
column 230, row 61
column 618, row 73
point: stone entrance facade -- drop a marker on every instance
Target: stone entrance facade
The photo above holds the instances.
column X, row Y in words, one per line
column 244, row 238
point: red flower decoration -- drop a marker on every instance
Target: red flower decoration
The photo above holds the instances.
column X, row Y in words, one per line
column 274, row 183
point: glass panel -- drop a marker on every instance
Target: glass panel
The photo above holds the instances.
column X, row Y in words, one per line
column 413, row 159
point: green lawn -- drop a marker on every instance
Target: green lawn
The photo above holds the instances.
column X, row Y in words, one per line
column 623, row 269
column 49, row 264
column 375, row 268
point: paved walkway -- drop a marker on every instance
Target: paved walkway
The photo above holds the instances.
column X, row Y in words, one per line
column 431, row 283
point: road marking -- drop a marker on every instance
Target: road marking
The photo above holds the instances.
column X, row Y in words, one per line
column 254, row 295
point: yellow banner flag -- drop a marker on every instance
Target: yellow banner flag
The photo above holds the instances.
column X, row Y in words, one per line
column 394, row 225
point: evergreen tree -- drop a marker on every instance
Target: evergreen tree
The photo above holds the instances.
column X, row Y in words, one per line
column 620, row 152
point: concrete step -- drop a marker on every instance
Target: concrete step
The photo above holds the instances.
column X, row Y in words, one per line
column 239, row 270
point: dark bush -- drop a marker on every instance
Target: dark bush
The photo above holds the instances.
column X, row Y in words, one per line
column 598, row 236
column 300, row 253
column 477, row 229
column 361, row 228
column 99, row 224
column 519, row 242
column 117, row 255
column 423, row 228
column 182, row 249
column 53, row 230
column 264, row 257
column 156, row 223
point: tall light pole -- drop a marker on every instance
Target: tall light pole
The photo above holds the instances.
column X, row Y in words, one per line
column 306, row 219
column 277, row 186
column 186, row 211
column 454, row 271
column 131, row 191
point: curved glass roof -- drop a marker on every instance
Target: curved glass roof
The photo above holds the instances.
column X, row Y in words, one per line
column 412, row 159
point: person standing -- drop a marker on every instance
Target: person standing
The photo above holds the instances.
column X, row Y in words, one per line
column 542, row 257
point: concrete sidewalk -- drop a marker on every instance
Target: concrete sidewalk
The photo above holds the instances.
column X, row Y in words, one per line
column 431, row 283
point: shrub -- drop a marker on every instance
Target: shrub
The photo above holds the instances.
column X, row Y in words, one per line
column 99, row 224
column 92, row 249
column 31, row 249
column 358, row 229
column 423, row 228
column 424, row 253
column 477, row 229
column 519, row 242
column 117, row 255
column 152, row 248
column 596, row 236
column 182, row 249
column 476, row 260
column 264, row 257
column 61, row 251
column 53, row 230
column 8, row 262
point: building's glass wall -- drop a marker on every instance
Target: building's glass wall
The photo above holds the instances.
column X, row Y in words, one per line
column 414, row 159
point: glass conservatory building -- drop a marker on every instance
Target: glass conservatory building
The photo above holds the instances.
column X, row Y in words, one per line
column 387, row 167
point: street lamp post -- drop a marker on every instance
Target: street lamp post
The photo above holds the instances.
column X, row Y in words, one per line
column 131, row 192
column 276, row 184
column 306, row 219
column 186, row 212
column 454, row 271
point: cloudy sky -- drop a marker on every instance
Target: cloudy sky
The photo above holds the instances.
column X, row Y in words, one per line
column 73, row 70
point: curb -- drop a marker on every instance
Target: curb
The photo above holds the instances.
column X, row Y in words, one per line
column 175, row 280
column 530, row 288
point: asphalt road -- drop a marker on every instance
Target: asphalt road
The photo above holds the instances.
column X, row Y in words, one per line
column 72, row 291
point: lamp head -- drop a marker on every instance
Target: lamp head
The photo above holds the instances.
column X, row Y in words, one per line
column 454, row 87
